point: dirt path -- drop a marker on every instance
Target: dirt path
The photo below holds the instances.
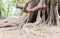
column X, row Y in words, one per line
column 30, row 32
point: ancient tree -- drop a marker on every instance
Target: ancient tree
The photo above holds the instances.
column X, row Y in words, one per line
column 42, row 11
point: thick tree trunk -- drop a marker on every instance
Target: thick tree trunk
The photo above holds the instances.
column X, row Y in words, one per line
column 54, row 12
column 33, row 16
column 48, row 15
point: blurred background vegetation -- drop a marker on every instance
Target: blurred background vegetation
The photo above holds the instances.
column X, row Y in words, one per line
column 8, row 8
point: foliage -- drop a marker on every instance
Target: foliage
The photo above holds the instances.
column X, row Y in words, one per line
column 8, row 8
column 21, row 1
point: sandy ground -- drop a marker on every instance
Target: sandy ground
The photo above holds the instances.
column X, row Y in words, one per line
column 30, row 32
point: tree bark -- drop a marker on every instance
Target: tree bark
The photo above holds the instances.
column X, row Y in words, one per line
column 33, row 16
column 49, row 15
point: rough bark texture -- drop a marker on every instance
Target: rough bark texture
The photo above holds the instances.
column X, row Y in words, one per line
column 33, row 16
column 49, row 14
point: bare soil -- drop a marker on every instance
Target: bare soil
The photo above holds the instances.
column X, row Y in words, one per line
column 28, row 30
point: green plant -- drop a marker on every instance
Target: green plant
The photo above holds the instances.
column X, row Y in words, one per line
column 21, row 1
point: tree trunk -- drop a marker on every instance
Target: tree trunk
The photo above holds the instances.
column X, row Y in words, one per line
column 49, row 14
column 33, row 16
